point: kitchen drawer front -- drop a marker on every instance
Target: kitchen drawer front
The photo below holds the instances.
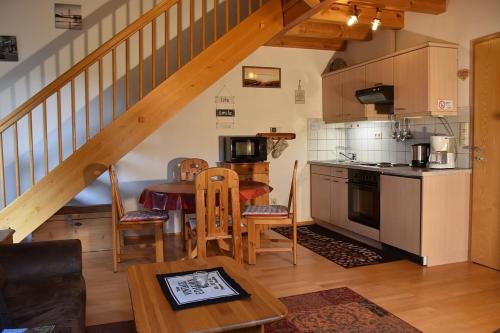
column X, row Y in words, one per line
column 339, row 172
column 321, row 170
column 248, row 168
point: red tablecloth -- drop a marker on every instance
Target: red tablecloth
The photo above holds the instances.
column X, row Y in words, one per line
column 180, row 195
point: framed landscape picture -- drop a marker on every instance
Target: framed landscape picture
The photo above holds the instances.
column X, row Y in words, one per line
column 8, row 48
column 68, row 16
column 261, row 77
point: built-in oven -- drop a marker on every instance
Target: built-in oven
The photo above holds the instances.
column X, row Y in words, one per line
column 364, row 197
column 244, row 149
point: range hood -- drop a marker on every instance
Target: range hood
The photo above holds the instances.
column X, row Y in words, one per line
column 381, row 94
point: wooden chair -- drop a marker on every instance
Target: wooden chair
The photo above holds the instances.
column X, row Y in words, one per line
column 261, row 216
column 191, row 167
column 217, row 213
column 134, row 220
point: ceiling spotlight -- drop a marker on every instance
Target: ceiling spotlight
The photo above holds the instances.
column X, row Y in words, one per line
column 376, row 21
column 353, row 19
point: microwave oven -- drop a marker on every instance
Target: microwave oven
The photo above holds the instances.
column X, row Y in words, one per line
column 243, row 149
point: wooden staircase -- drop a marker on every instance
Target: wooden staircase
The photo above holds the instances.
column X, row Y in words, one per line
column 225, row 36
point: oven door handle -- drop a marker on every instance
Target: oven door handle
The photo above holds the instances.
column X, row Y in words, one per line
column 364, row 186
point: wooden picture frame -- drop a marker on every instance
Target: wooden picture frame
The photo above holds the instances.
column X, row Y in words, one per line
column 261, row 77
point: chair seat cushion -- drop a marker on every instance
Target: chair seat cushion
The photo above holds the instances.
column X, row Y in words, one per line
column 144, row 215
column 192, row 221
column 265, row 211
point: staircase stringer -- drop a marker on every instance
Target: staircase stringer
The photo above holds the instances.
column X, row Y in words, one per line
column 43, row 199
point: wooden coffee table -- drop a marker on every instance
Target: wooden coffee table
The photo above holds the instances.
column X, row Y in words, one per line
column 153, row 313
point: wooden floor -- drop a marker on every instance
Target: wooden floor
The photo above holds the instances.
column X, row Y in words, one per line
column 460, row 297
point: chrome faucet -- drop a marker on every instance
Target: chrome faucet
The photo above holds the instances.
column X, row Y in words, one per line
column 353, row 158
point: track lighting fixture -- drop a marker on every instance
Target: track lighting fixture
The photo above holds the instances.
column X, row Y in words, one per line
column 376, row 21
column 353, row 19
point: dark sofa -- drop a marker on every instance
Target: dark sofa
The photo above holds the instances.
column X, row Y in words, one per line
column 43, row 285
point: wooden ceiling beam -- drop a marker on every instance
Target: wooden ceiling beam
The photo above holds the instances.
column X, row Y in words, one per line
column 297, row 11
column 308, row 43
column 419, row 6
column 330, row 31
column 340, row 14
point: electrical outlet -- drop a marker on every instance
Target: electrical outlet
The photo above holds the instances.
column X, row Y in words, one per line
column 274, row 201
column 378, row 135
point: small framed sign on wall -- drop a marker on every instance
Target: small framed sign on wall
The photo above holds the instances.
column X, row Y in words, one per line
column 68, row 16
column 261, row 77
column 8, row 48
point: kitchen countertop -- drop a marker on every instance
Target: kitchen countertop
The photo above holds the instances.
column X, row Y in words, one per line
column 406, row 171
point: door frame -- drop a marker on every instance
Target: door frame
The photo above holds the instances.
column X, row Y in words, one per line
column 472, row 100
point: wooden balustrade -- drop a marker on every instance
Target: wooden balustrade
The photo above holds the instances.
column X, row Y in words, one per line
column 84, row 70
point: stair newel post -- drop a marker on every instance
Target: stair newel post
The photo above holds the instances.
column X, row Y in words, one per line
column 153, row 53
column 216, row 5
column 113, row 74
column 203, row 24
column 16, row 160
column 73, row 115
column 127, row 73
column 87, row 106
column 191, row 29
column 179, row 32
column 141, row 64
column 45, row 138
column 2, row 174
column 30, row 140
column 59, row 126
column 101, row 109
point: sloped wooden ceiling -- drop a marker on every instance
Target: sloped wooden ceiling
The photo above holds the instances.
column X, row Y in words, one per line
column 322, row 24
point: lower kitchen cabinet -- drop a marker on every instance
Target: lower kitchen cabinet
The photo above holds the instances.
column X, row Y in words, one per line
column 400, row 218
column 338, row 202
column 329, row 195
column 426, row 215
column 320, row 197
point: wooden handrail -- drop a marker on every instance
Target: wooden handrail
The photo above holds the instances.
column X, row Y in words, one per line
column 77, row 69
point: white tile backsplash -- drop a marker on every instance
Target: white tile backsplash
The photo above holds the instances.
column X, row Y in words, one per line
column 325, row 141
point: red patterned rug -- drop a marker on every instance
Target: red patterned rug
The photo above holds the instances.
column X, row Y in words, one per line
column 339, row 310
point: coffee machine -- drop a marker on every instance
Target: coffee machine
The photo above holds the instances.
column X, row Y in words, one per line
column 443, row 152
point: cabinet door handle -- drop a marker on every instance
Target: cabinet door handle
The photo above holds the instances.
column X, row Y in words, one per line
column 335, row 181
column 327, row 179
column 400, row 109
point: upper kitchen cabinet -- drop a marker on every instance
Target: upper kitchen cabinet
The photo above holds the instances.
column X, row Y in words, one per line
column 380, row 73
column 332, row 98
column 425, row 81
column 352, row 80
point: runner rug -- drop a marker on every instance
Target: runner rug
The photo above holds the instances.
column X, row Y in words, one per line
column 335, row 247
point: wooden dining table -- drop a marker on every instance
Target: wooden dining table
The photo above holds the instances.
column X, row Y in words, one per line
column 180, row 195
